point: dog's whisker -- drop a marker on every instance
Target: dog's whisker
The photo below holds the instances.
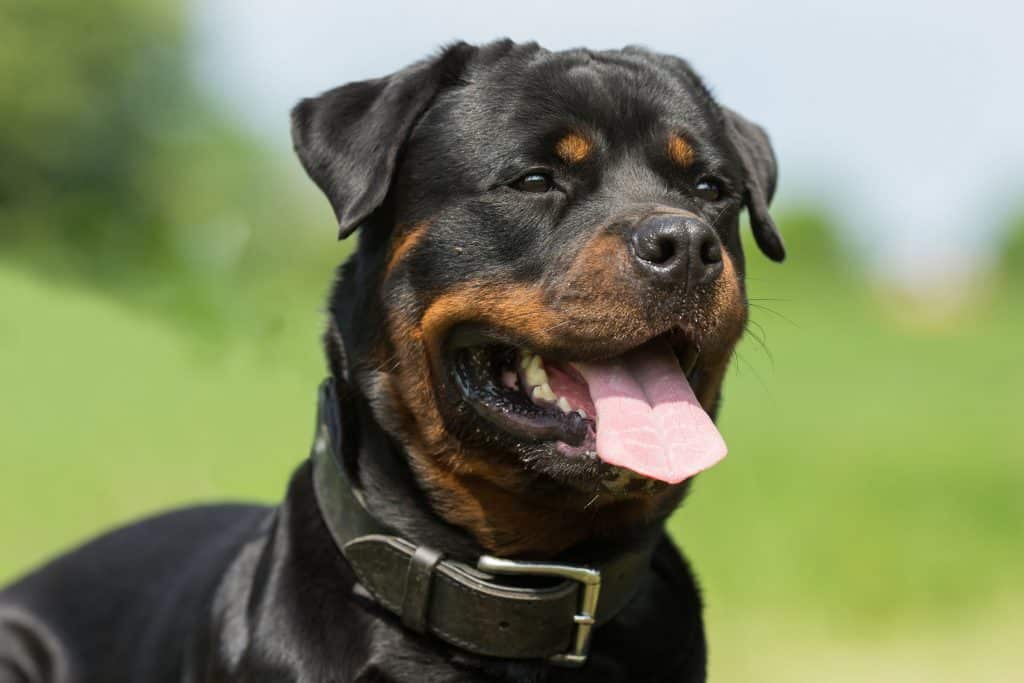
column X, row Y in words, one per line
column 781, row 316
column 742, row 362
column 720, row 213
column 761, row 338
column 567, row 321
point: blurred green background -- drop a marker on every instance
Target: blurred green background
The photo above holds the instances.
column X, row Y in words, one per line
column 162, row 273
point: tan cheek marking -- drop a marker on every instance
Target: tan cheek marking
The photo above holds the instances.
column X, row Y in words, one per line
column 515, row 307
column 404, row 244
column 730, row 313
column 679, row 151
column 417, row 343
column 728, row 298
column 574, row 148
column 597, row 275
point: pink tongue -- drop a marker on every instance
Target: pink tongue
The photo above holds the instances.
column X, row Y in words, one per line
column 648, row 419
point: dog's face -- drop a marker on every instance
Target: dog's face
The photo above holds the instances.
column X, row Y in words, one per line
column 549, row 283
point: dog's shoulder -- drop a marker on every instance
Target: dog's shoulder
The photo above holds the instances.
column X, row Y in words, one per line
column 145, row 584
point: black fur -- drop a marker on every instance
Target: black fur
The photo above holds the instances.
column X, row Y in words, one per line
column 258, row 594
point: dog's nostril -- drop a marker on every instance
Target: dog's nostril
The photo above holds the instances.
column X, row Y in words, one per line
column 664, row 250
column 711, row 252
column 655, row 247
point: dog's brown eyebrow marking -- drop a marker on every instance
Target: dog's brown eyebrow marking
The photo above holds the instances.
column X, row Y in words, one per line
column 404, row 244
column 679, row 150
column 574, row 148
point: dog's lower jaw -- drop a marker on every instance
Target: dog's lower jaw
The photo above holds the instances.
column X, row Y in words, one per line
column 506, row 509
column 522, row 517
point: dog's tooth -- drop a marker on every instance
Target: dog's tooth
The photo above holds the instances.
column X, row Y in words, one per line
column 582, row 413
column 543, row 392
column 563, row 403
column 524, row 361
column 535, row 374
column 532, row 369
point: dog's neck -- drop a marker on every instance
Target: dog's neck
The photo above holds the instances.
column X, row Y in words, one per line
column 395, row 499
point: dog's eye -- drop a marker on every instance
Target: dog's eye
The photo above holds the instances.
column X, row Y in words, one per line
column 709, row 189
column 534, row 182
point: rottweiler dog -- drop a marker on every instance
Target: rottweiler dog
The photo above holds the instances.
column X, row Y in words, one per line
column 526, row 352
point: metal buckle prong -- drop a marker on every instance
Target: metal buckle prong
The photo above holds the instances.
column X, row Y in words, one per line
column 589, row 579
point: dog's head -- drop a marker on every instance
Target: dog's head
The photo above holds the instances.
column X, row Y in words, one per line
column 549, row 280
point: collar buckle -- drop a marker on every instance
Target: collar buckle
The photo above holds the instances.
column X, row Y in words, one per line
column 590, row 588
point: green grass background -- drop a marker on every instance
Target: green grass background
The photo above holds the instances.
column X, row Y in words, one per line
column 867, row 524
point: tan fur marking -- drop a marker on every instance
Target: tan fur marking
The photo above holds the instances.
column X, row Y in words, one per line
column 729, row 311
column 574, row 148
column 727, row 304
column 679, row 151
column 514, row 307
column 404, row 244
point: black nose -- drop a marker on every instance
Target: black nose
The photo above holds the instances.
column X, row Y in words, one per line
column 681, row 250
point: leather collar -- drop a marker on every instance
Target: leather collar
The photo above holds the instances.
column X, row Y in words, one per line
column 494, row 607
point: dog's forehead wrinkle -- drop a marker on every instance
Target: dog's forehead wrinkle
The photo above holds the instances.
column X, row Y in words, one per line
column 630, row 186
column 614, row 92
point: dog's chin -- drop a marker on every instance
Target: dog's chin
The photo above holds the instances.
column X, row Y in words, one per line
column 537, row 405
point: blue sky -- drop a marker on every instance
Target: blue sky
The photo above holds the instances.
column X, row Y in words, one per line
column 906, row 119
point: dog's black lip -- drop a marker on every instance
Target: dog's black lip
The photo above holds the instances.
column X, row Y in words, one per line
column 519, row 418
column 538, row 427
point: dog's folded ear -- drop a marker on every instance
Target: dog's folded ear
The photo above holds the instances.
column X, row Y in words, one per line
column 760, row 175
column 349, row 138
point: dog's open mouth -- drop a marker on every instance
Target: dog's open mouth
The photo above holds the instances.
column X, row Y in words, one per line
column 635, row 410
